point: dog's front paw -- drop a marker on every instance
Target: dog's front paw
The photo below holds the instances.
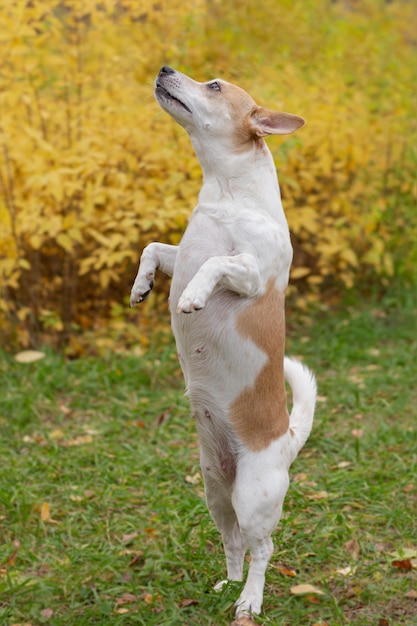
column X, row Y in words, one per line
column 191, row 301
column 142, row 288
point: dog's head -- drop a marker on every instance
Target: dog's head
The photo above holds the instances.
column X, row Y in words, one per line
column 219, row 110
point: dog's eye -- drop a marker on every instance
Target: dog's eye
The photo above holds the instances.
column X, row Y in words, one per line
column 215, row 86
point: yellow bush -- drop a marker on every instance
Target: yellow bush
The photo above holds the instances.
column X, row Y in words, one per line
column 91, row 170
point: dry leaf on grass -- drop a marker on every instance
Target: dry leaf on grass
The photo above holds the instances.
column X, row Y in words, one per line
column 403, row 564
column 353, row 548
column 193, row 480
column 344, row 464
column 45, row 512
column 80, row 440
column 301, row 590
column 286, row 571
column 29, row 356
column 128, row 538
column 187, row 602
column 344, row 571
column 126, row 598
column 319, row 495
column 405, row 559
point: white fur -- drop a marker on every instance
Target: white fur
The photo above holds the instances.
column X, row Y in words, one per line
column 237, row 243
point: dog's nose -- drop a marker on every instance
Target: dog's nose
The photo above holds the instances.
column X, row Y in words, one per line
column 166, row 70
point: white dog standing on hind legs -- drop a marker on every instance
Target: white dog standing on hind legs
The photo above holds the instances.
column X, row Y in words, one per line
column 230, row 273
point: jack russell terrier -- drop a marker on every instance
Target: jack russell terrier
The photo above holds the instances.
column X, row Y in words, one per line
column 230, row 272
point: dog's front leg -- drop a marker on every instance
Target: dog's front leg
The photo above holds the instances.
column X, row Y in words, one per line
column 155, row 256
column 238, row 273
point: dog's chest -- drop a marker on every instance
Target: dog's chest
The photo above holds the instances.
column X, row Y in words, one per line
column 210, row 234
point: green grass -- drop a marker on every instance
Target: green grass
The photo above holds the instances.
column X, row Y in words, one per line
column 108, row 446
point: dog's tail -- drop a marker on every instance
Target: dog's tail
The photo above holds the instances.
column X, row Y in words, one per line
column 304, row 390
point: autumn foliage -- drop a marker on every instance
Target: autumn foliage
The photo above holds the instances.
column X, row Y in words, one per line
column 91, row 170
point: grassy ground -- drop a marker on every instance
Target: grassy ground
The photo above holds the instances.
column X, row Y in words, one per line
column 102, row 516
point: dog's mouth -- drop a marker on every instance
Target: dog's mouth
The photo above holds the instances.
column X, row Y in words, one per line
column 164, row 94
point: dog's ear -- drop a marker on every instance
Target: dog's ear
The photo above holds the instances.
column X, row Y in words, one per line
column 264, row 122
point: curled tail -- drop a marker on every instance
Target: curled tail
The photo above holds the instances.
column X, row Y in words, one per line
column 304, row 390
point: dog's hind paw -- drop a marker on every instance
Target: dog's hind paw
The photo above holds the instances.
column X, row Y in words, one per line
column 243, row 621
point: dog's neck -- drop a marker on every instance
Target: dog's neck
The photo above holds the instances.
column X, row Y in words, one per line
column 246, row 178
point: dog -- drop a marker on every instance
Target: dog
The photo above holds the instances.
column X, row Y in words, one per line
column 229, row 276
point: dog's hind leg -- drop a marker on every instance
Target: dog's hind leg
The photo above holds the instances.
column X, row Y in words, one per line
column 219, row 503
column 258, row 496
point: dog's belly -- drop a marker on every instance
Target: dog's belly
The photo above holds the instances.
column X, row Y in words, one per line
column 232, row 358
column 232, row 351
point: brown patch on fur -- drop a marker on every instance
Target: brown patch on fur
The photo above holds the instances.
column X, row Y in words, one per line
column 259, row 415
column 241, row 105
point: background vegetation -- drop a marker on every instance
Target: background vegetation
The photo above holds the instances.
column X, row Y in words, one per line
column 102, row 516
column 91, row 170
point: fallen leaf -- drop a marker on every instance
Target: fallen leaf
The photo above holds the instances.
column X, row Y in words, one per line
column 411, row 594
column 408, row 488
column 56, row 434
column 358, row 432
column 320, row 495
column 11, row 560
column 353, row 548
column 187, row 602
column 128, row 538
column 286, row 571
column 193, row 480
column 126, row 598
column 122, row 611
column 356, row 378
column 313, row 599
column 301, row 590
column 299, row 477
column 137, row 558
column 344, row 464
column 45, row 512
column 147, row 598
column 345, row 571
column 29, row 356
column 79, row 441
column 162, row 418
column 383, row 622
column 404, row 553
column 403, row 564
column 47, row 613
